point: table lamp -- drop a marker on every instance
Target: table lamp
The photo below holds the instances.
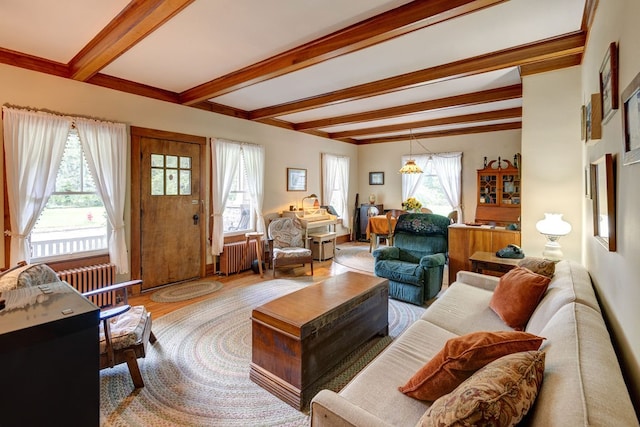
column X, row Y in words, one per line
column 553, row 227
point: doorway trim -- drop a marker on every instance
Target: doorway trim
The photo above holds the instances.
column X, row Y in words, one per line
column 137, row 133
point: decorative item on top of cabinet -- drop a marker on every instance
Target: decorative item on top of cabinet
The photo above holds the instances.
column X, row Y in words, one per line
column 499, row 189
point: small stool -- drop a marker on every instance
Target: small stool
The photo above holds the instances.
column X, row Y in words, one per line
column 257, row 238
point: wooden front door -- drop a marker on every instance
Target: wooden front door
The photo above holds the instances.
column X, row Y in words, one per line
column 171, row 214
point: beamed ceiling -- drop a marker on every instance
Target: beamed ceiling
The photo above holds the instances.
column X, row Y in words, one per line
column 358, row 71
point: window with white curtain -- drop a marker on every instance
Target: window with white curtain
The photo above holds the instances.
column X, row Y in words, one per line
column 439, row 187
column 430, row 192
column 74, row 221
column 335, row 185
column 239, row 213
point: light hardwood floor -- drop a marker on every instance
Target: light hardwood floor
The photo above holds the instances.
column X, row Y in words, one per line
column 321, row 269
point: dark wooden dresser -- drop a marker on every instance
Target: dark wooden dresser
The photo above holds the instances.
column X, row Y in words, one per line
column 49, row 357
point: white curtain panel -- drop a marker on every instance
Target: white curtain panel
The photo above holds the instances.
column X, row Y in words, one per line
column 34, row 143
column 411, row 181
column 448, row 166
column 225, row 159
column 254, row 163
column 105, row 148
column 336, row 169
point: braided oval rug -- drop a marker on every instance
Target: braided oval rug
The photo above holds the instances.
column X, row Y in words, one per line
column 197, row 373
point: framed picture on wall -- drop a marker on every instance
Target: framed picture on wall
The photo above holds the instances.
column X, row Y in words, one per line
column 296, row 179
column 631, row 121
column 609, row 82
column 376, row 178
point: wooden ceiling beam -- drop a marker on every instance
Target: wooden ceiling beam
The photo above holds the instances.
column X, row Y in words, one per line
column 132, row 87
column 134, row 23
column 474, row 98
column 383, row 27
column 551, row 64
column 35, row 63
column 507, row 113
column 567, row 44
column 446, row 132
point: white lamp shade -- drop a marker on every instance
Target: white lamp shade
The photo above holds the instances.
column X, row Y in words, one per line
column 553, row 225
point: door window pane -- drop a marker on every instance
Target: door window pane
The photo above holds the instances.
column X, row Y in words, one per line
column 185, row 162
column 157, row 161
column 185, row 182
column 172, row 161
column 171, row 181
column 157, row 182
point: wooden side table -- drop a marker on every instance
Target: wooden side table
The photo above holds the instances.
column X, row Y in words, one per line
column 257, row 238
column 488, row 261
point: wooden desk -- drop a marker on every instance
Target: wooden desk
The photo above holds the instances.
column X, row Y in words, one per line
column 378, row 225
column 466, row 240
column 297, row 338
column 489, row 263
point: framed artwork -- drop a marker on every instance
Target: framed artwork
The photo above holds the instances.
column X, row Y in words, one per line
column 609, row 82
column 296, row 179
column 603, row 195
column 631, row 121
column 583, row 123
column 376, row 178
column 594, row 118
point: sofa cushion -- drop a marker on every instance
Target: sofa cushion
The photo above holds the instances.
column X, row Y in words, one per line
column 583, row 383
column 571, row 283
column 500, row 394
column 539, row 265
column 463, row 309
column 375, row 388
column 517, row 295
column 461, row 357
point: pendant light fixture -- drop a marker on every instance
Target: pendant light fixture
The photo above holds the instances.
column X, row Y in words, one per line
column 410, row 166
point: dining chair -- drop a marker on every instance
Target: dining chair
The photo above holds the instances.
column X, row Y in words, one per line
column 392, row 216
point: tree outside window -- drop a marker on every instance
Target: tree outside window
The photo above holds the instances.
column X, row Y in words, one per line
column 238, row 214
column 74, row 221
column 430, row 192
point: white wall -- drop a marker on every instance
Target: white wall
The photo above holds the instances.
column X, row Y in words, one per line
column 552, row 158
column 387, row 158
column 284, row 148
column 617, row 274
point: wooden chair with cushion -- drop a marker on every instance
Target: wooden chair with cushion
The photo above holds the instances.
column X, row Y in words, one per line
column 426, row 210
column 392, row 216
column 124, row 330
column 287, row 244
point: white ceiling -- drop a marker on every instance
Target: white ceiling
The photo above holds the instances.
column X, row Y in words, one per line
column 209, row 39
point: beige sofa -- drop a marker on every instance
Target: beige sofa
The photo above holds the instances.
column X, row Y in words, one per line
column 582, row 384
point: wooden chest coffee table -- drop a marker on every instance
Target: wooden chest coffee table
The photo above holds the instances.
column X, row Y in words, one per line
column 297, row 338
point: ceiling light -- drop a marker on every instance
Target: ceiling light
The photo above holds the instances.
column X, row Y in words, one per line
column 410, row 166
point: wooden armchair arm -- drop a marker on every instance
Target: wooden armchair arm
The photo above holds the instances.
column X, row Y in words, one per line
column 113, row 312
column 112, row 288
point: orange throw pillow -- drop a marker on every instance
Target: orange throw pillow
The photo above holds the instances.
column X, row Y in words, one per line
column 461, row 357
column 517, row 296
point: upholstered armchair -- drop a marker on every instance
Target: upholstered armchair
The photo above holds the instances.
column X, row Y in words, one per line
column 287, row 245
column 124, row 330
column 415, row 263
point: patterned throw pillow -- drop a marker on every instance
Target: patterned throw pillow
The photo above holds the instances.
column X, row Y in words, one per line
column 539, row 266
column 461, row 357
column 500, row 394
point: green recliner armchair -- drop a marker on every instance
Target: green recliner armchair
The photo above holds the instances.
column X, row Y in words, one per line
column 415, row 263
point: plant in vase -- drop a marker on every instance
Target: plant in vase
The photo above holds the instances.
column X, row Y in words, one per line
column 411, row 204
